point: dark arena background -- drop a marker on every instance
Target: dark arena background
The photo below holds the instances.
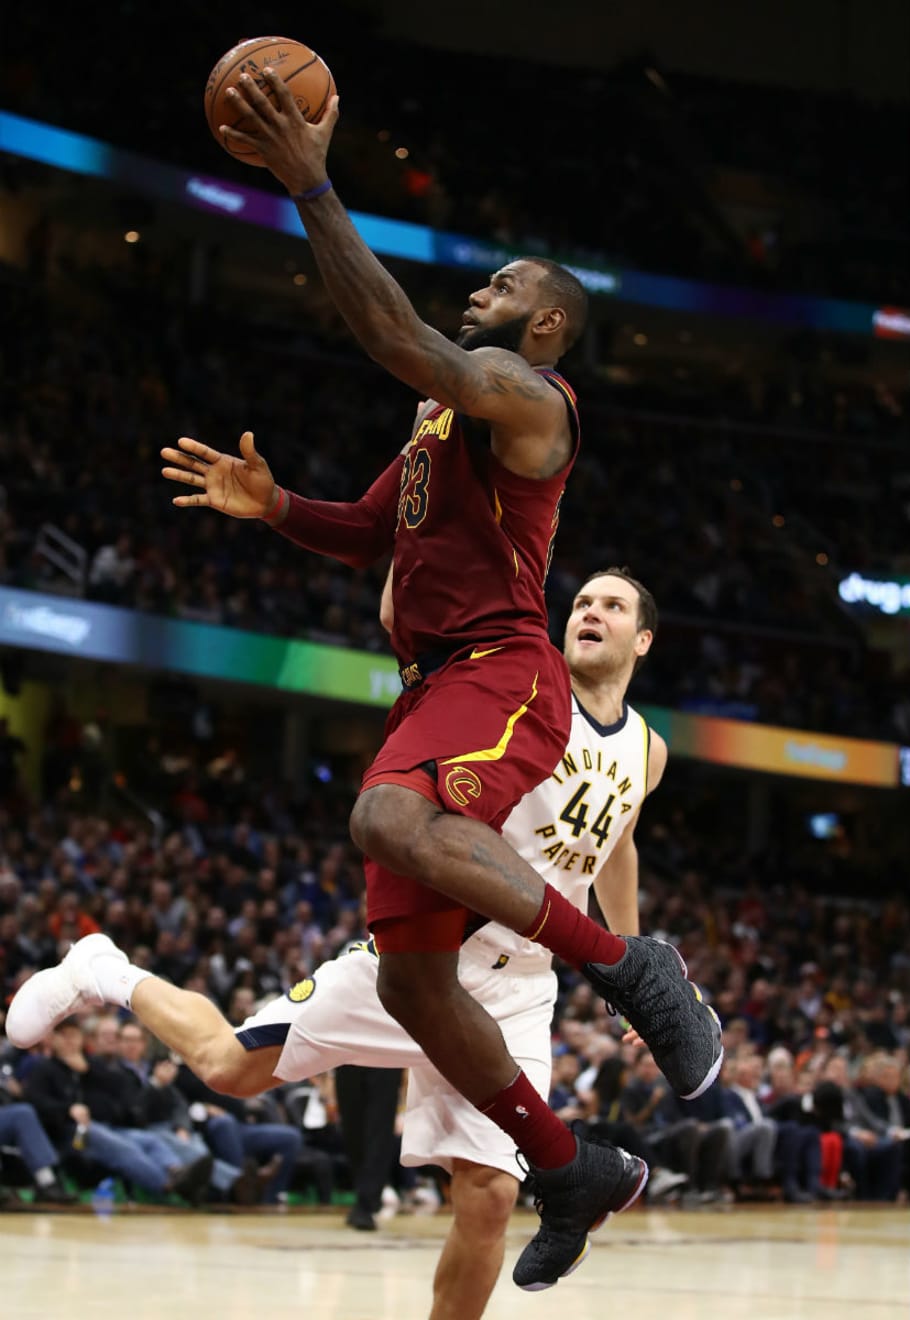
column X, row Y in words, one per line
column 188, row 701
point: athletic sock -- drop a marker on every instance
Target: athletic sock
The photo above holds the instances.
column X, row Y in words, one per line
column 540, row 1136
column 45, row 1177
column 116, row 979
column 571, row 935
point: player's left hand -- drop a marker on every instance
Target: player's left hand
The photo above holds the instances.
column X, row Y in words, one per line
column 293, row 149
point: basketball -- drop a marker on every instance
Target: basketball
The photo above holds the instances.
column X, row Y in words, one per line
column 308, row 77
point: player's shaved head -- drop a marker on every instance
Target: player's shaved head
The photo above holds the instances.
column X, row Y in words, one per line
column 563, row 289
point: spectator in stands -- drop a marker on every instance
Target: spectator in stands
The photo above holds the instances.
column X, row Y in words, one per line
column 871, row 1157
column 714, row 1141
column 70, row 921
column 564, row 1100
column 754, row 1135
column 888, row 1104
column 603, row 1109
column 166, row 1112
column 682, row 1143
column 57, row 1087
column 800, row 1155
column 112, row 570
column 22, row 1130
column 233, row 1132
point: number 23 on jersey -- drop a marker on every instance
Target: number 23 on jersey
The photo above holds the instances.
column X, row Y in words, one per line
column 415, row 488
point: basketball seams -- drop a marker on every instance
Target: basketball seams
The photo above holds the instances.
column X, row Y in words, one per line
column 244, row 52
column 327, row 93
column 248, row 54
column 230, row 69
column 242, row 55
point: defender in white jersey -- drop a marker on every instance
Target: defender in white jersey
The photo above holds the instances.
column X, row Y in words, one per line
column 576, row 828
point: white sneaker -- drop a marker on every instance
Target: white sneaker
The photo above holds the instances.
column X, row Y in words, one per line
column 423, row 1199
column 391, row 1204
column 664, row 1181
column 49, row 996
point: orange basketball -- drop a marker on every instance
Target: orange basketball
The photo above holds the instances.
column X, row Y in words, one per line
column 308, row 77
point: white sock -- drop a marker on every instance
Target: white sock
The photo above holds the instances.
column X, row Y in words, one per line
column 45, row 1177
column 117, row 980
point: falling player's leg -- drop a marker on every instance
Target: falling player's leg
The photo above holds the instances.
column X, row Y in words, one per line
column 331, row 1018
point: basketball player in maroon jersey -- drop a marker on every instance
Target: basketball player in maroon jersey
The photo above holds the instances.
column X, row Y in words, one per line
column 469, row 509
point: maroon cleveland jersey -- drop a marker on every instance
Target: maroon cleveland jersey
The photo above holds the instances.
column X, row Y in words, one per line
column 473, row 540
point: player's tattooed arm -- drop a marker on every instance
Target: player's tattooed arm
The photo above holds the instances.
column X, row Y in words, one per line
column 528, row 420
column 525, row 417
column 488, row 383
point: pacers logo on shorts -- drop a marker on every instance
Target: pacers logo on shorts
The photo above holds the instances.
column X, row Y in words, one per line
column 462, row 783
column 302, row 990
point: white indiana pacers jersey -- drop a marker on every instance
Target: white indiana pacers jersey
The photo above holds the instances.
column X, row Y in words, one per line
column 571, row 822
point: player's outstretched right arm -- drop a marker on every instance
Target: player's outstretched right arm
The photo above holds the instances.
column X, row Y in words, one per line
column 240, row 487
column 356, row 533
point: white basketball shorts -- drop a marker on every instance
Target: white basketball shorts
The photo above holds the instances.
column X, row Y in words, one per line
column 334, row 1017
column 440, row 1125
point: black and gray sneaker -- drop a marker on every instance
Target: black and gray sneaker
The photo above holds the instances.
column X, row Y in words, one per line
column 649, row 987
column 572, row 1202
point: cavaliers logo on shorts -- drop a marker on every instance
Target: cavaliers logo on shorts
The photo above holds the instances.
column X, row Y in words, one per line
column 462, row 783
column 302, row 990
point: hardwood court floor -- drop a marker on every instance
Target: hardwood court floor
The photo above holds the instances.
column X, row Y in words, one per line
column 764, row 1264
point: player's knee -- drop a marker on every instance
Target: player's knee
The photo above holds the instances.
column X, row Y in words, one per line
column 415, row 992
column 397, row 992
column 388, row 823
column 483, row 1200
column 368, row 821
column 499, row 1200
column 226, row 1072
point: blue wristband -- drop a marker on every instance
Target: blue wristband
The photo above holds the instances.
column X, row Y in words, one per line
column 312, row 193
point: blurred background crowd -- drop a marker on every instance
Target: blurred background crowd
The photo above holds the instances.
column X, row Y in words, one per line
column 790, row 188
column 240, row 888
column 742, row 528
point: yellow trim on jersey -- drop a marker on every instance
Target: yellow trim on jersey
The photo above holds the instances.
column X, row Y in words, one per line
column 563, row 389
column 647, row 751
column 497, row 506
column 515, row 557
column 497, row 752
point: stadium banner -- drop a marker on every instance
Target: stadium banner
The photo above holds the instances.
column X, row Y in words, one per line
column 31, row 139
column 89, row 631
column 888, row 595
column 777, row 751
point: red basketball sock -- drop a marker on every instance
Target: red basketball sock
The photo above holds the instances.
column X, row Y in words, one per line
column 540, row 1136
column 569, row 933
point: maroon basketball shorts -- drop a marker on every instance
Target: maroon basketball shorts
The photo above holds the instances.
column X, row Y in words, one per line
column 494, row 719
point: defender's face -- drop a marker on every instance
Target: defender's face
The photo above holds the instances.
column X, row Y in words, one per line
column 602, row 635
column 498, row 315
